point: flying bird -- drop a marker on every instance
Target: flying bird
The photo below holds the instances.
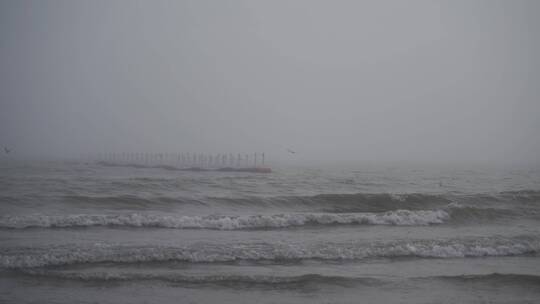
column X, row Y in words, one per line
column 291, row 151
column 7, row 150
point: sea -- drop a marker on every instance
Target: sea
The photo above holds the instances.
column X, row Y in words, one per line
column 87, row 232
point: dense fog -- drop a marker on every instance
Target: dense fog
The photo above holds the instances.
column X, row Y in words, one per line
column 389, row 81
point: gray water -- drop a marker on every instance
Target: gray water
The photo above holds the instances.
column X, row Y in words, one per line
column 88, row 233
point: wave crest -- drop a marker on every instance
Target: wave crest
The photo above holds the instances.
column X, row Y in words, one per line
column 220, row 279
column 222, row 222
column 253, row 280
column 211, row 253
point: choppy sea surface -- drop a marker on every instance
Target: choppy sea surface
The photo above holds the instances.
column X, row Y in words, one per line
column 89, row 233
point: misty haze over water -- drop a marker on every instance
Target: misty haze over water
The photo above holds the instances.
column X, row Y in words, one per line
column 421, row 81
column 400, row 140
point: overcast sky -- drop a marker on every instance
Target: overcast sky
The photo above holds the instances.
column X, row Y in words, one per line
column 436, row 81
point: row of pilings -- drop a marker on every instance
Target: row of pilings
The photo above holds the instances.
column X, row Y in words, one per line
column 185, row 160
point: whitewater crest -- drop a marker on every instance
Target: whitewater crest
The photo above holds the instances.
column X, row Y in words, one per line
column 212, row 253
column 223, row 222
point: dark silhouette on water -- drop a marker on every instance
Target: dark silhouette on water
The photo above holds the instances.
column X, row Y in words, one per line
column 196, row 168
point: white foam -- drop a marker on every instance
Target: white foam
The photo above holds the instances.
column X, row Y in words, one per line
column 98, row 253
column 221, row 222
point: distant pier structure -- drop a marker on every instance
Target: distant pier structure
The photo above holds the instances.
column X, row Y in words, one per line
column 189, row 161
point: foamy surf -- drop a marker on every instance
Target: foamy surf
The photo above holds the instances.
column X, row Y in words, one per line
column 212, row 253
column 72, row 232
column 223, row 222
column 402, row 217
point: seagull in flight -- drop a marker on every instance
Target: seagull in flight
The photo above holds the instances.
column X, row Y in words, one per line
column 291, row 151
column 7, row 150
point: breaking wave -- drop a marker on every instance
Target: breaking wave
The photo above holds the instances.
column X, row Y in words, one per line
column 335, row 203
column 222, row 222
column 342, row 203
column 360, row 202
column 210, row 253
column 450, row 213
